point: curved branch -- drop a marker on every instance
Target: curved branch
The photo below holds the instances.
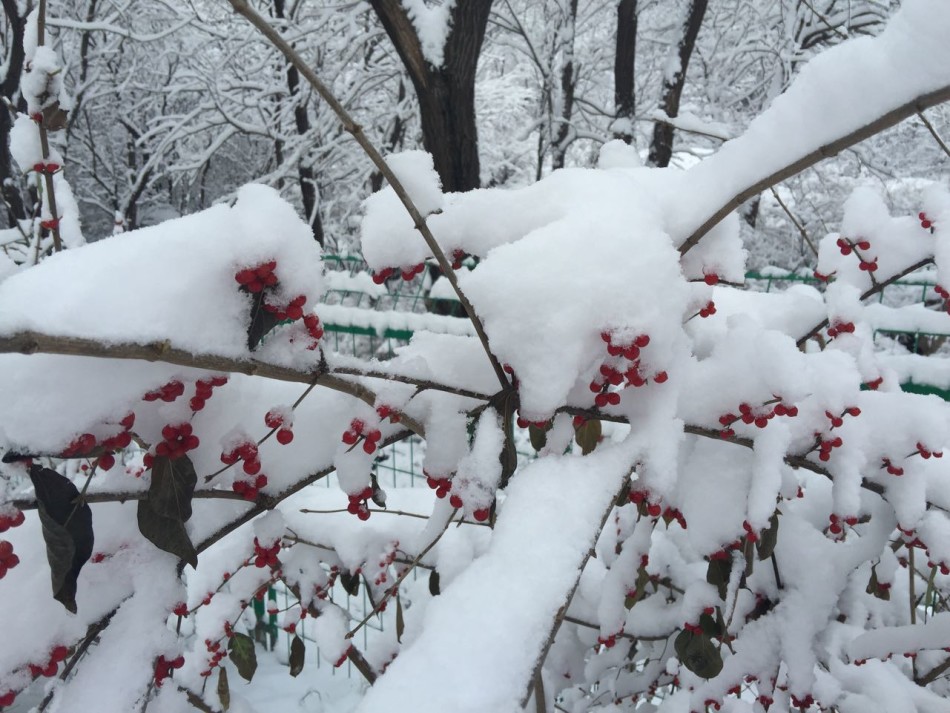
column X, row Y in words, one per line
column 895, row 116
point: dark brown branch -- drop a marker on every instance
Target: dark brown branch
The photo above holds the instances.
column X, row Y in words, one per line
column 895, row 116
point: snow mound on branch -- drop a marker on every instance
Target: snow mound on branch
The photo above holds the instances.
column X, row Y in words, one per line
column 491, row 623
column 546, row 298
column 173, row 281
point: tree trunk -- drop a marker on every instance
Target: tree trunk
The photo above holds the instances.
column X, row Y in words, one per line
column 305, row 173
column 559, row 147
column 661, row 150
column 625, row 100
column 15, row 208
column 446, row 94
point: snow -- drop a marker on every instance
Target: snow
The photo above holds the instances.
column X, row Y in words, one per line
column 512, row 593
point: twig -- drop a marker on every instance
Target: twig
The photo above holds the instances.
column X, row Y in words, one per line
column 877, row 287
column 243, row 7
column 801, row 228
column 933, row 132
column 399, row 580
column 402, row 378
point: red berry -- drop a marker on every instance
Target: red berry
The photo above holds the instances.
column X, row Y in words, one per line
column 196, row 403
column 274, row 419
column 661, row 377
column 106, row 462
column 6, row 549
column 285, row 436
column 481, row 514
column 642, row 341
column 349, row 438
column 455, row 501
column 252, row 467
column 711, row 279
column 369, row 446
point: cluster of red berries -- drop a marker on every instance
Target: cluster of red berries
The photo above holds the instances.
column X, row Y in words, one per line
column 407, row 273
column 838, row 421
column 87, row 442
column 342, row 660
column 759, row 417
column 358, row 431
column 8, row 560
column 945, row 295
column 458, row 256
column 926, row 453
column 292, row 310
column 525, row 423
column 868, row 266
column 168, row 393
column 806, row 702
column 847, row 246
column 708, row 311
column 46, row 167
column 50, row 224
column 944, row 569
column 51, row 667
column 608, row 642
column 7, row 699
column 266, row 556
column 925, row 222
column 389, row 412
column 821, row 277
column 204, row 388
column 178, row 441
column 314, row 329
column 710, row 278
column 837, row 328
column 874, row 384
column 217, row 653
column 164, row 668
column 14, row 520
column 612, row 376
column 641, row 498
column 750, row 533
column 249, row 490
column 826, row 446
column 441, row 486
column 891, row 468
column 247, row 452
column 278, row 418
column 181, row 609
column 255, row 279
column 358, row 503
column 835, row 527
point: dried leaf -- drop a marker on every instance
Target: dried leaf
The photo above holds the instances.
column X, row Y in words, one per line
column 261, row 322
column 538, row 436
column 350, row 582
column 766, row 543
column 717, row 574
column 54, row 117
column 698, row 653
column 224, row 690
column 400, row 622
column 588, row 435
column 67, row 531
column 243, row 655
column 162, row 515
column 298, row 653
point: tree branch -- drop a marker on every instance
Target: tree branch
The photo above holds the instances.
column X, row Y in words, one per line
column 29, row 342
column 243, row 7
column 895, row 116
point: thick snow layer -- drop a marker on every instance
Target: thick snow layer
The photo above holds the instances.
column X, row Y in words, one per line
column 190, row 261
column 511, row 594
